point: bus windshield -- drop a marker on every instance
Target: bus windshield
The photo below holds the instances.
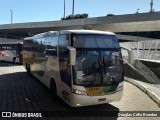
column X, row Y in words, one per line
column 95, row 41
column 98, row 60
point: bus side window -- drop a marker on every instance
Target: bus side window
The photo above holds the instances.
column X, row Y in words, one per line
column 28, row 45
column 49, row 44
column 53, row 46
column 65, row 68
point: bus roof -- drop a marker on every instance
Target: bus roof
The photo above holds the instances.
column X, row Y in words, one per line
column 69, row 32
column 85, row 32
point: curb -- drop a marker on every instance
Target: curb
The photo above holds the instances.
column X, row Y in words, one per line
column 150, row 93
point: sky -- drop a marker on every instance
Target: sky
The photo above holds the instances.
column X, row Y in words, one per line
column 52, row 10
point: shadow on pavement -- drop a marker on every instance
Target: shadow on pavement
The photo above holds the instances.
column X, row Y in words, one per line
column 5, row 64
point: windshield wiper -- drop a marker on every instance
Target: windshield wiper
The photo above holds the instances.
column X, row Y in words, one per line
column 104, row 66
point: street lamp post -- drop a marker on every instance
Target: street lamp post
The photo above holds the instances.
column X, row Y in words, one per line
column 151, row 4
column 64, row 9
column 11, row 15
column 73, row 9
column 137, row 11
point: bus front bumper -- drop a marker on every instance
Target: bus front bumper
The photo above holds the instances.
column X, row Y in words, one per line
column 82, row 100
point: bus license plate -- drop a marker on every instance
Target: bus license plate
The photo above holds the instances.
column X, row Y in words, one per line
column 102, row 99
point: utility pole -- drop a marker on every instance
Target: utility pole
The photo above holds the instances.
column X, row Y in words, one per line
column 151, row 4
column 11, row 15
column 73, row 9
column 64, row 9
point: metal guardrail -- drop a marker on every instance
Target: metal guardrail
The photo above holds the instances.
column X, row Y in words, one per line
column 146, row 72
column 149, row 49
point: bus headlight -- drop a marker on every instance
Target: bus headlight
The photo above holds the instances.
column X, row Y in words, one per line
column 119, row 88
column 79, row 92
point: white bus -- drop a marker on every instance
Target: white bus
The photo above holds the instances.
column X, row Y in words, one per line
column 82, row 67
column 11, row 51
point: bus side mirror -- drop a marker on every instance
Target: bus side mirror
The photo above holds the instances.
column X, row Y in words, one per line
column 72, row 55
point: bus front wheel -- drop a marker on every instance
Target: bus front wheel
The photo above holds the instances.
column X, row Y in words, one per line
column 53, row 88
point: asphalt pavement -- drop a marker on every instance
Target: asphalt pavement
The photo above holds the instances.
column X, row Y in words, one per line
column 20, row 92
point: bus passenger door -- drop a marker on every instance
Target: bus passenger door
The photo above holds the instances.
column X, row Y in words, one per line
column 65, row 68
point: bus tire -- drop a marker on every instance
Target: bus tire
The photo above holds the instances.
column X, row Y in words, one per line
column 53, row 88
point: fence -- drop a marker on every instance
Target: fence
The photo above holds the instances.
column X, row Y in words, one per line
column 149, row 49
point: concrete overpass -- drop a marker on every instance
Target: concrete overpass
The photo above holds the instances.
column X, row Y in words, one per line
column 119, row 23
column 129, row 38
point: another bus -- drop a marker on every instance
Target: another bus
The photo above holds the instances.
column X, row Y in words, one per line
column 82, row 67
column 11, row 51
